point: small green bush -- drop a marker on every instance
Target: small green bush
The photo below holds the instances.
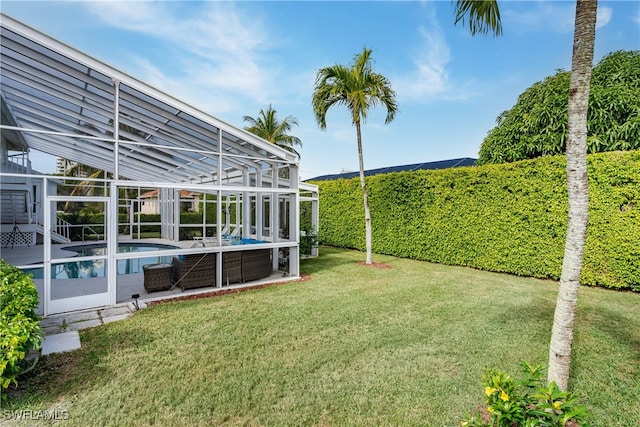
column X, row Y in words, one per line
column 527, row 402
column 19, row 327
column 308, row 240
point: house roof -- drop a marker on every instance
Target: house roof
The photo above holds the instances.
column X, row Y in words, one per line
column 154, row 194
column 65, row 103
column 442, row 164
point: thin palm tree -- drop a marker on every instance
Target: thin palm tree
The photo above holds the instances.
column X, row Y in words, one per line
column 358, row 88
column 268, row 127
column 88, row 187
column 481, row 15
column 578, row 195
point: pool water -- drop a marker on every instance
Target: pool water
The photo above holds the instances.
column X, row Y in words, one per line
column 96, row 268
column 245, row 241
column 101, row 248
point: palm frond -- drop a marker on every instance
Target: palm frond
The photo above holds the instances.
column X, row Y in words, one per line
column 268, row 127
column 357, row 87
column 483, row 16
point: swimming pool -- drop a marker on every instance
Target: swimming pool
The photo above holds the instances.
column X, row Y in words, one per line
column 101, row 248
column 96, row 267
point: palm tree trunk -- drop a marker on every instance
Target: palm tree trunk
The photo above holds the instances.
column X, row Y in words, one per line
column 367, row 213
column 577, row 186
column 127, row 211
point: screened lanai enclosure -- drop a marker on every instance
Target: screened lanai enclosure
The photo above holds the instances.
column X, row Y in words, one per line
column 153, row 197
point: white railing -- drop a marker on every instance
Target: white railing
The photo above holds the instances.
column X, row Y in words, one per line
column 20, row 161
column 62, row 228
column 94, row 232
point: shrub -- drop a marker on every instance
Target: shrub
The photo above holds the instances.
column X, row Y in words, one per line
column 509, row 218
column 19, row 327
column 191, row 218
column 537, row 124
column 308, row 240
column 527, row 402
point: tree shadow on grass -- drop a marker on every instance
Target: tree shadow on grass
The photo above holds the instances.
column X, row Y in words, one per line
column 60, row 376
column 619, row 327
column 330, row 258
column 531, row 318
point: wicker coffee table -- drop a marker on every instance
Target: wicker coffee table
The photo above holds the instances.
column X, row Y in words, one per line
column 157, row 277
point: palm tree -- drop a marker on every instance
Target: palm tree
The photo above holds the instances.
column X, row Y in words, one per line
column 483, row 16
column 358, row 88
column 483, row 13
column 87, row 187
column 577, row 185
column 268, row 127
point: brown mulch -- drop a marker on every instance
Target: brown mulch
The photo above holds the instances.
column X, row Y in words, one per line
column 484, row 414
column 374, row 264
column 303, row 278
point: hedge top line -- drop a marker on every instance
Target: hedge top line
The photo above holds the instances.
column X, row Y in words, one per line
column 441, row 164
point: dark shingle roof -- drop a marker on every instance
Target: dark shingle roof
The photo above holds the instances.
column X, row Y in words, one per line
column 442, row 164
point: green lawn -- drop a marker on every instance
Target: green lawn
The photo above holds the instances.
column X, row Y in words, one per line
column 352, row 346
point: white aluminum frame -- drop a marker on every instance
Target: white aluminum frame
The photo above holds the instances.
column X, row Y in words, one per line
column 63, row 102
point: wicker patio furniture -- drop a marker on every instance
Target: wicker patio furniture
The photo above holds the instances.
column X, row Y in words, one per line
column 194, row 271
column 157, row 277
column 199, row 270
column 256, row 264
column 231, row 267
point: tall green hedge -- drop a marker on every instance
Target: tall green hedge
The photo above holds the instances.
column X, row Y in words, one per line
column 506, row 218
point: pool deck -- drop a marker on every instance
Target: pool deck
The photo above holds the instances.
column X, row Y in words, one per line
column 127, row 284
column 26, row 255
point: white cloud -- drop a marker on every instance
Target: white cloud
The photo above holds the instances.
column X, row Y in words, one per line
column 539, row 16
column 213, row 44
column 604, row 16
column 429, row 78
column 432, row 66
column 212, row 100
column 209, row 29
column 545, row 16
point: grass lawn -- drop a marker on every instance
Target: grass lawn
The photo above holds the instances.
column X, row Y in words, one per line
column 352, row 346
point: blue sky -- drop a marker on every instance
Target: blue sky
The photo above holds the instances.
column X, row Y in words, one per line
column 232, row 59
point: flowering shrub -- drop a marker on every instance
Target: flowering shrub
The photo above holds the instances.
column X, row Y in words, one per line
column 19, row 327
column 526, row 403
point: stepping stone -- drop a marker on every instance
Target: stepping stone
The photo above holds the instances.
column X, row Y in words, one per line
column 81, row 316
column 51, row 330
column 114, row 318
column 59, row 343
column 76, row 326
column 115, row 311
column 51, row 321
